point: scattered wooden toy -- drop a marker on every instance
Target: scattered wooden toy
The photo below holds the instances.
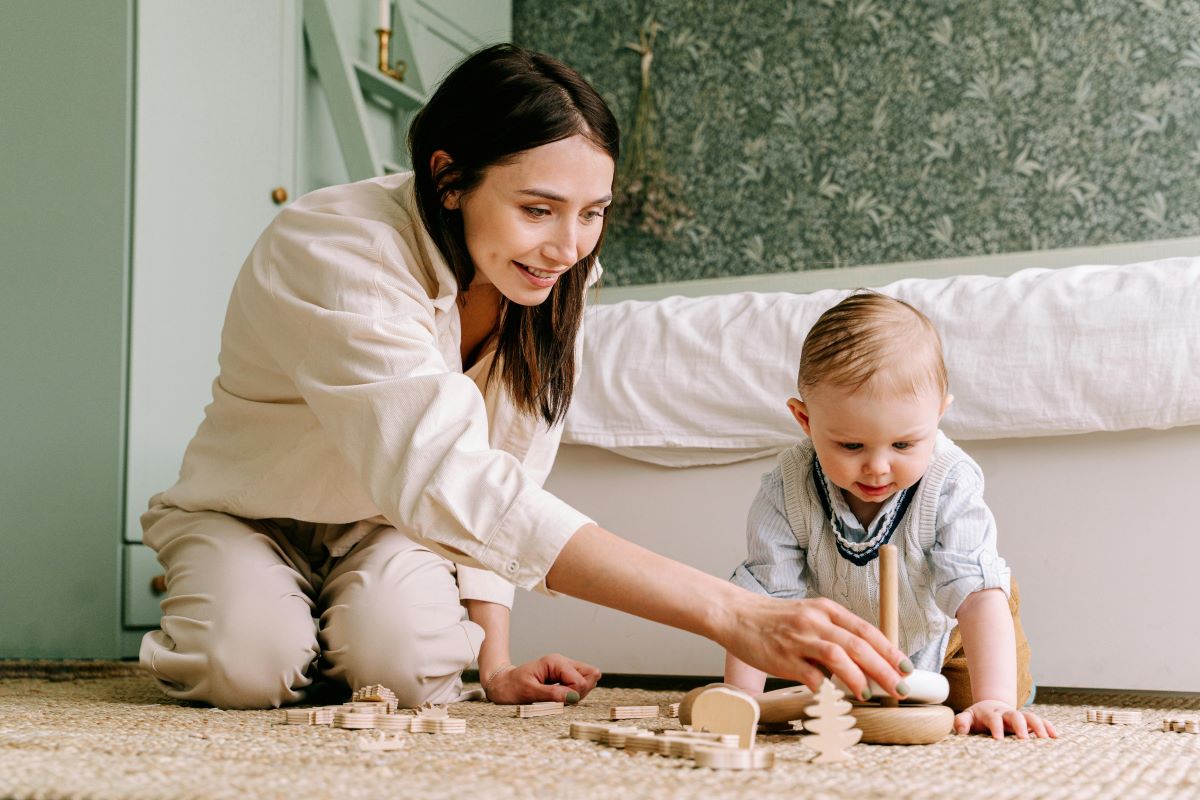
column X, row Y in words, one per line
column 374, row 709
column 376, row 693
column 1186, row 723
column 544, row 709
column 1110, row 716
column 632, row 712
column 673, row 710
column 725, row 710
column 733, row 758
column 685, row 744
column 833, row 725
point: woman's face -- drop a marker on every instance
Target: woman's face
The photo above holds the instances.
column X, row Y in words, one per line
column 531, row 220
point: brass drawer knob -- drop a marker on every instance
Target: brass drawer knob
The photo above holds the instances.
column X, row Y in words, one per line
column 158, row 584
column 279, row 195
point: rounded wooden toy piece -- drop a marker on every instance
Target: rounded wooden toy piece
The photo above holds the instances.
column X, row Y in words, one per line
column 904, row 724
column 685, row 705
column 721, row 709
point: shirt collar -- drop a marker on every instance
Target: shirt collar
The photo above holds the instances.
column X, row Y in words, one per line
column 846, row 525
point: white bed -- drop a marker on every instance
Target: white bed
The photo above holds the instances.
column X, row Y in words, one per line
column 1094, row 499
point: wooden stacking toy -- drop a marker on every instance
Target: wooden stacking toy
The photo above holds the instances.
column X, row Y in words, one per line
column 918, row 719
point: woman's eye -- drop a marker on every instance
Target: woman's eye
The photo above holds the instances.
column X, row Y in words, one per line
column 592, row 216
column 851, row 446
column 535, row 212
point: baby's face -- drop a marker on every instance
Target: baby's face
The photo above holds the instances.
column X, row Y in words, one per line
column 871, row 446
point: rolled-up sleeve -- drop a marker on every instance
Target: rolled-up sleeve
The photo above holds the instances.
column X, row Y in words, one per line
column 964, row 558
column 357, row 334
column 774, row 562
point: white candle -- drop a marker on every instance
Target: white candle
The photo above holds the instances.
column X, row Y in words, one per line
column 385, row 14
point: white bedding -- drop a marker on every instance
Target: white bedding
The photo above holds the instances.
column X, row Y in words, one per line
column 688, row 381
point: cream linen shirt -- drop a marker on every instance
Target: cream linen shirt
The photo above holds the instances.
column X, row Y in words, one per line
column 341, row 399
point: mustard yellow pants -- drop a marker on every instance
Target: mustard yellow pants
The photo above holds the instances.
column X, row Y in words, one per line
column 955, row 665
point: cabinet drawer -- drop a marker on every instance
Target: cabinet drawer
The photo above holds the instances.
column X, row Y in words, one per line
column 141, row 596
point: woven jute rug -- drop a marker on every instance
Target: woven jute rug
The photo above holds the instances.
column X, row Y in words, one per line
column 98, row 734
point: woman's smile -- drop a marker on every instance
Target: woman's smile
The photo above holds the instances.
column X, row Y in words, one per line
column 542, row 279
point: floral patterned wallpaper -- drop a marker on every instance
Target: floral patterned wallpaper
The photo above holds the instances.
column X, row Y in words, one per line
column 804, row 134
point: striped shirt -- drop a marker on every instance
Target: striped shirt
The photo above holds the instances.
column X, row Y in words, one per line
column 946, row 538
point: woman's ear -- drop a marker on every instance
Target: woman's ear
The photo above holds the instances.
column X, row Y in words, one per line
column 800, row 411
column 439, row 163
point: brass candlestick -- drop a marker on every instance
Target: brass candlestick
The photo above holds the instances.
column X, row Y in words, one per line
column 397, row 72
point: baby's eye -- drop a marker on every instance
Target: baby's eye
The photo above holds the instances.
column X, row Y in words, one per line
column 902, row 445
column 851, row 446
column 535, row 212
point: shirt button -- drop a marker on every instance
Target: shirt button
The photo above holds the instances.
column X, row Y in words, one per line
column 512, row 567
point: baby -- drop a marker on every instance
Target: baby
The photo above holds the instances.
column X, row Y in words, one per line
column 876, row 469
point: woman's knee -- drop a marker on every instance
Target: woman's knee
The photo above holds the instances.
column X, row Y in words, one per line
column 237, row 629
column 401, row 625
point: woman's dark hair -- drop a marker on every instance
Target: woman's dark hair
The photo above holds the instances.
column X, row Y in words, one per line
column 495, row 105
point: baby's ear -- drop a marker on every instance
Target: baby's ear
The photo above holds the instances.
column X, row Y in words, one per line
column 800, row 411
column 945, row 405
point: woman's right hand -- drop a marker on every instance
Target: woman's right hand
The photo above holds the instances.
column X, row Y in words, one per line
column 792, row 639
column 803, row 639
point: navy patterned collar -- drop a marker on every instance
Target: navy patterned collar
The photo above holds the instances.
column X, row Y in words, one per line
column 860, row 553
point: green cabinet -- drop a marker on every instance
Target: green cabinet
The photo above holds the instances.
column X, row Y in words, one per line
column 144, row 147
column 64, row 222
column 138, row 169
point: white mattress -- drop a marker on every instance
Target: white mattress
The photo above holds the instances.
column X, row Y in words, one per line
column 687, row 381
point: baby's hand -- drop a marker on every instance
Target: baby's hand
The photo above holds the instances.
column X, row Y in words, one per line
column 996, row 717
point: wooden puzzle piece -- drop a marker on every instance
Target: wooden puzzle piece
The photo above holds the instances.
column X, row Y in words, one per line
column 832, row 725
column 632, row 712
column 725, row 710
column 544, row 709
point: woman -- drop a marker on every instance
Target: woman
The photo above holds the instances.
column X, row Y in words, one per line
column 397, row 357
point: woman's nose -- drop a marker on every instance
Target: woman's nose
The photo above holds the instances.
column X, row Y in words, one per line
column 563, row 246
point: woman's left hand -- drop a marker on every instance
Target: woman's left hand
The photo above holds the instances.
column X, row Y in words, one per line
column 551, row 677
column 992, row 716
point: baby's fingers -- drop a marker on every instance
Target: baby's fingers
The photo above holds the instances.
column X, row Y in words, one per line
column 1016, row 721
column 1041, row 728
column 962, row 723
column 994, row 722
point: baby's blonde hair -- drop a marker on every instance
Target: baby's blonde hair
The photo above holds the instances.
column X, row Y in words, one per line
column 876, row 340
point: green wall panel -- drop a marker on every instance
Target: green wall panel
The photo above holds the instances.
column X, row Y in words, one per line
column 63, row 255
column 832, row 133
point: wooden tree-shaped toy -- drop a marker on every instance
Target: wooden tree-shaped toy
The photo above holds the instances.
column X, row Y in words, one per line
column 832, row 724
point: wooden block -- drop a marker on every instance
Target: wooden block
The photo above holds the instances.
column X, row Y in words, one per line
column 394, row 722
column 591, row 731
column 545, row 709
column 354, row 720
column 438, row 725
column 732, row 758
column 632, row 712
column 673, row 710
column 723, row 710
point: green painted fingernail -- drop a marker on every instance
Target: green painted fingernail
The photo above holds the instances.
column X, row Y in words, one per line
column 902, row 688
column 572, row 696
column 906, row 666
column 866, row 695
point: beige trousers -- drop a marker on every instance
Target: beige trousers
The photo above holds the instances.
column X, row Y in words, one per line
column 257, row 609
